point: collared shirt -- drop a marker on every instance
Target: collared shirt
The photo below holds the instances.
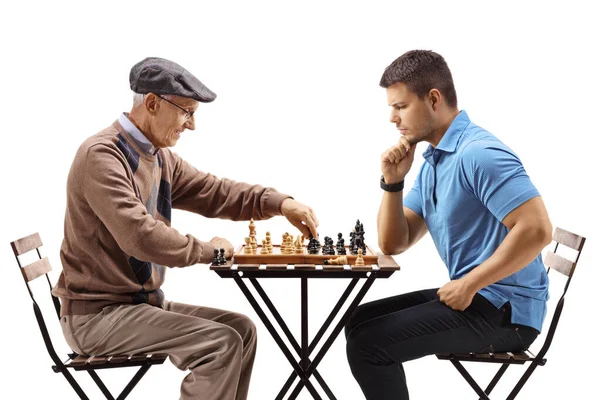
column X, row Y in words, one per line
column 469, row 183
column 140, row 139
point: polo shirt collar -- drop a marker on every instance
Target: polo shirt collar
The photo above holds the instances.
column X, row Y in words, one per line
column 450, row 139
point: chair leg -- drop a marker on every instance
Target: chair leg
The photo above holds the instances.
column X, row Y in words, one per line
column 496, row 378
column 100, row 384
column 522, row 381
column 470, row 380
column 74, row 384
column 134, row 381
column 127, row 390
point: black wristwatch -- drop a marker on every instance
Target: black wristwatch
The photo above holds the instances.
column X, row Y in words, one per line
column 393, row 187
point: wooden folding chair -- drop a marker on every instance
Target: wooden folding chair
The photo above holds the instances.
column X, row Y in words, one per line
column 552, row 261
column 75, row 361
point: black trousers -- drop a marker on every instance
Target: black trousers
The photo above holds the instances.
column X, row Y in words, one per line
column 383, row 334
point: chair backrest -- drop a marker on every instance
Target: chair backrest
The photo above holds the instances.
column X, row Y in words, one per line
column 566, row 267
column 33, row 271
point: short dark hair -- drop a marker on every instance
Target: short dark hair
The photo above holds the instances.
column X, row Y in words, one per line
column 421, row 71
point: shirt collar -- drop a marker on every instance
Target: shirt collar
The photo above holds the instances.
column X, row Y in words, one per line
column 450, row 139
column 140, row 139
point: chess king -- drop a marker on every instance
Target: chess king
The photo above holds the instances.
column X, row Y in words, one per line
column 487, row 220
column 119, row 242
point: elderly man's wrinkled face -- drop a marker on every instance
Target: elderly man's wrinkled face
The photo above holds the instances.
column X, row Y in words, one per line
column 173, row 114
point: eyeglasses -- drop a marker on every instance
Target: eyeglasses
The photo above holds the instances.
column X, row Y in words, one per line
column 188, row 114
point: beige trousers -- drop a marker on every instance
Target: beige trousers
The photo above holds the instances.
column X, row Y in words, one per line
column 217, row 346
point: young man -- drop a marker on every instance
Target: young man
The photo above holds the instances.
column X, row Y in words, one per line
column 118, row 240
column 488, row 223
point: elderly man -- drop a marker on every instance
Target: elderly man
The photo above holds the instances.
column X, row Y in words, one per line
column 118, row 240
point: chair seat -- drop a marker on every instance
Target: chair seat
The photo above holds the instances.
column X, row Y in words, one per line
column 503, row 358
column 83, row 362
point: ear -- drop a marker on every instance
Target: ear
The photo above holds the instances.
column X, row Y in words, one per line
column 151, row 103
column 435, row 99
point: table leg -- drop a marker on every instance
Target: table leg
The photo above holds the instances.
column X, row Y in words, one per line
column 291, row 337
column 304, row 323
column 305, row 368
column 261, row 314
column 340, row 325
column 268, row 324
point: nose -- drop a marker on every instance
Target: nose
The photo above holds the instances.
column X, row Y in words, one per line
column 190, row 123
column 394, row 118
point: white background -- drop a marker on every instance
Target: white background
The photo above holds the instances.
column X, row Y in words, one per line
column 299, row 108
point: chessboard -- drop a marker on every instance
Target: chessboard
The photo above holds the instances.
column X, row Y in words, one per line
column 356, row 256
column 277, row 257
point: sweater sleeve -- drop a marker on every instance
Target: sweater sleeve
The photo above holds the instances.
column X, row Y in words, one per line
column 109, row 191
column 209, row 196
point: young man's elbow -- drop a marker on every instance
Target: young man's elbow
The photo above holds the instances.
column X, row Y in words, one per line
column 540, row 232
column 545, row 232
column 390, row 249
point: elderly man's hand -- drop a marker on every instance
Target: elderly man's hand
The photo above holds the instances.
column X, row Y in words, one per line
column 221, row 243
column 301, row 216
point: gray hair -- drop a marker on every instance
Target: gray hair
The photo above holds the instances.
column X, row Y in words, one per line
column 138, row 98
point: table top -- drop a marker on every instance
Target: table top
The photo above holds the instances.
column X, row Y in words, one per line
column 384, row 268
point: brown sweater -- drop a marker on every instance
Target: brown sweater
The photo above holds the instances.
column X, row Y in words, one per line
column 118, row 238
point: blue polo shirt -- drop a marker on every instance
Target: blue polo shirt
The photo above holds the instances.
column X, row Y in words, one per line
column 469, row 183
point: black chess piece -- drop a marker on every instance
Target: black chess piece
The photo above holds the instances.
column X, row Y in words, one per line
column 222, row 260
column 341, row 249
column 359, row 243
column 328, row 246
column 357, row 238
column 313, row 246
column 325, row 242
column 331, row 248
column 215, row 260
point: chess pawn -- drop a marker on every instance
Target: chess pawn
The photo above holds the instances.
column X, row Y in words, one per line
column 215, row 260
column 269, row 244
column 341, row 249
column 247, row 246
column 222, row 260
column 284, row 243
column 290, row 245
column 359, row 258
column 254, row 245
column 264, row 249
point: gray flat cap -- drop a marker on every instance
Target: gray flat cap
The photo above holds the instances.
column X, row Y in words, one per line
column 161, row 76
